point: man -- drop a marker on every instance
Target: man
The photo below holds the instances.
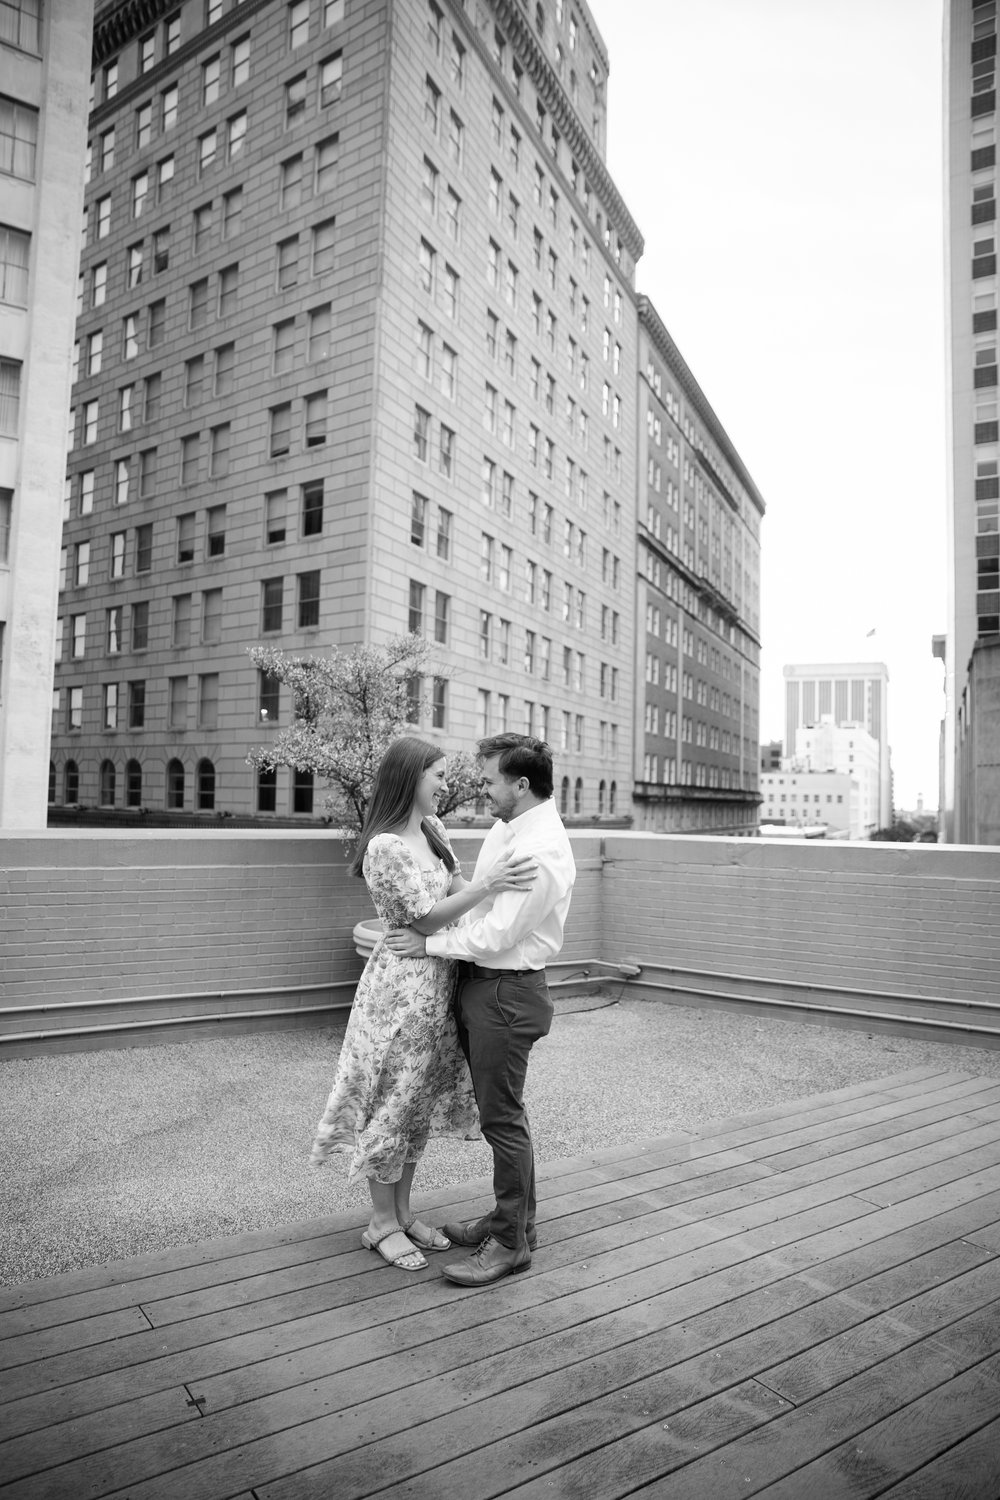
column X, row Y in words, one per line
column 503, row 1003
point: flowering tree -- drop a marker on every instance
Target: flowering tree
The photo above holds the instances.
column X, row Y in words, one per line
column 348, row 708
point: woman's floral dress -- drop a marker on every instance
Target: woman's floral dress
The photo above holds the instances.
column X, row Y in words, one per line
column 402, row 1076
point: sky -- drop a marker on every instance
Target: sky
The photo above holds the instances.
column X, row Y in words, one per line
column 782, row 159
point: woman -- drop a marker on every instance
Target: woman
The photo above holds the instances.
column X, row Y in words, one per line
column 402, row 1076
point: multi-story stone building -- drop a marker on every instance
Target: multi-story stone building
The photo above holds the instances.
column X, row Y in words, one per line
column 796, row 797
column 44, row 77
column 697, row 667
column 970, row 754
column 849, row 749
column 357, row 343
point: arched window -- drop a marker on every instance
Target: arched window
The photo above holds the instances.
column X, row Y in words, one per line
column 71, row 783
column 564, row 795
column 107, row 784
column 175, row 784
column 612, row 796
column 578, row 795
column 602, row 792
column 133, row 784
column 206, row 786
column 302, row 792
column 52, row 781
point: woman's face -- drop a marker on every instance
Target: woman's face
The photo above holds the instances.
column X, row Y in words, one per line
column 430, row 787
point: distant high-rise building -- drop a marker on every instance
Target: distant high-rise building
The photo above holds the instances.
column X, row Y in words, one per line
column 357, row 357
column 843, row 693
column 697, row 605
column 44, row 82
column 849, row 749
column 970, row 753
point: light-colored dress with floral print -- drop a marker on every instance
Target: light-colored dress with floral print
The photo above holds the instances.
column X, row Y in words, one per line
column 402, row 1076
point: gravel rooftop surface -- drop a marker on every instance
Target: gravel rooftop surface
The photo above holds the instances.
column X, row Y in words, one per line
column 105, row 1155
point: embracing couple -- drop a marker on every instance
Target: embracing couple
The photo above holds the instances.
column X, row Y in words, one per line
column 452, row 999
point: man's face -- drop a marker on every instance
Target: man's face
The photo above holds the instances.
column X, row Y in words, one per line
column 501, row 794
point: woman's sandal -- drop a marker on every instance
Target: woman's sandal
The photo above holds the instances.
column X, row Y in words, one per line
column 374, row 1242
column 436, row 1240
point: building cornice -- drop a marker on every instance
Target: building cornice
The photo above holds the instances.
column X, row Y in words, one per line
column 116, row 24
column 696, row 582
column 664, row 791
column 552, row 94
column 650, row 319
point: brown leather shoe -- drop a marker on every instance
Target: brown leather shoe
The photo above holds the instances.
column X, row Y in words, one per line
column 490, row 1262
column 472, row 1232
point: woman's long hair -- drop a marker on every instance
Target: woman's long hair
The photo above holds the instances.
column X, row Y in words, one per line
column 392, row 796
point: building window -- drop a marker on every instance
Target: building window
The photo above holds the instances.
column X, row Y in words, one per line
column 323, row 247
column 175, row 777
column 442, row 610
column 19, row 137
column 320, row 330
column 268, row 698
column 136, row 705
column 302, row 791
column 295, row 98
column 418, row 520
column 316, row 419
column 240, row 61
column 281, row 429
column 327, row 162
column 267, row 789
column 205, row 780
column 291, row 182
column 312, row 508
column 331, row 75
column 10, row 403
column 216, row 531
column 133, row 784
column 275, row 512
column 298, row 23
column 208, row 700
column 283, row 346
column 308, row 602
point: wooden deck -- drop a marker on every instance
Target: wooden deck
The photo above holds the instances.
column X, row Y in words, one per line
column 803, row 1302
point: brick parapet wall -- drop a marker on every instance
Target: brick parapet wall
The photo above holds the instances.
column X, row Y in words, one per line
column 102, row 914
column 917, row 919
column 112, row 915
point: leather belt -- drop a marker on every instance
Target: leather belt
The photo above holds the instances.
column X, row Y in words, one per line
column 482, row 972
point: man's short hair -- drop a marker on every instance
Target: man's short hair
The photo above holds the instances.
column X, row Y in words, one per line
column 521, row 755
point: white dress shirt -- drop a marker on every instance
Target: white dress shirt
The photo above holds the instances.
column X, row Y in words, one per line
column 518, row 929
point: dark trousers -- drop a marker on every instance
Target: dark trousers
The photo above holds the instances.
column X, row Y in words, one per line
column 499, row 1020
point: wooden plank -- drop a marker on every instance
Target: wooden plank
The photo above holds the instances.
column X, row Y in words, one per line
column 925, row 1125
column 968, row 1470
column 67, row 1440
column 607, row 1322
column 243, row 1371
column 497, row 1452
column 875, row 1170
column 838, row 1416
column 233, row 1441
column 314, row 1252
column 917, row 1082
column 835, row 1359
column 989, row 1237
column 75, row 1335
column 914, row 1436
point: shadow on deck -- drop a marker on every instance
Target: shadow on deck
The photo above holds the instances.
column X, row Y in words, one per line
column 800, row 1302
